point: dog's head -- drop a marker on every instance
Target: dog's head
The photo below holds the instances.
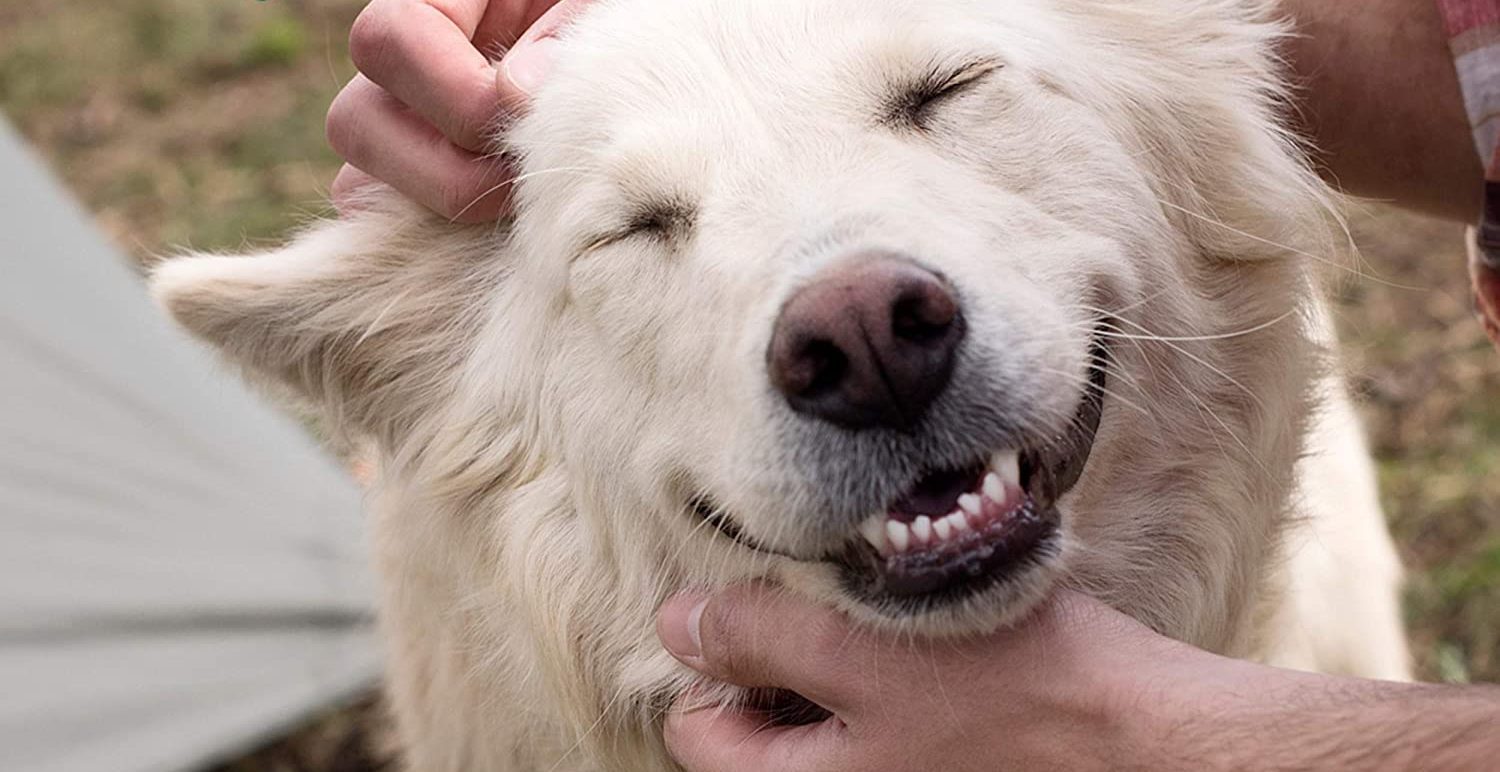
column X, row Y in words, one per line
column 909, row 304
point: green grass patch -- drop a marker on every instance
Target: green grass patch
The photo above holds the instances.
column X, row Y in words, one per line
column 276, row 42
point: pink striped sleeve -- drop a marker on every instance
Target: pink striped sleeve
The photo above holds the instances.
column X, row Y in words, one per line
column 1473, row 28
column 1474, row 36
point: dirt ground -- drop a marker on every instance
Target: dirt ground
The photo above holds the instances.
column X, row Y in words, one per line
column 199, row 122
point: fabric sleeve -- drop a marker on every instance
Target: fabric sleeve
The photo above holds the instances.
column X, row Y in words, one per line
column 1473, row 28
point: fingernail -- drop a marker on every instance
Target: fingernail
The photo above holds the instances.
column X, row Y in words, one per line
column 679, row 625
column 526, row 65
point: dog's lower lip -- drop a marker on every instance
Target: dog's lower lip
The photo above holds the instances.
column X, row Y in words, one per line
column 977, row 560
column 993, row 523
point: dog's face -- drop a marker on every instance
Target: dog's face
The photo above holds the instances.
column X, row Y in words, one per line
column 838, row 282
column 853, row 292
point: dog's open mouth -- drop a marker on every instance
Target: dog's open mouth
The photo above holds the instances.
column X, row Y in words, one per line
column 960, row 531
column 957, row 532
column 955, row 527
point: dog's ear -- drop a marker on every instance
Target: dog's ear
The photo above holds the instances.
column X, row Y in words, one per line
column 1212, row 120
column 365, row 318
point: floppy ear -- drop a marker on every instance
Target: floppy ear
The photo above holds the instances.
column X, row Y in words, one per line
column 365, row 318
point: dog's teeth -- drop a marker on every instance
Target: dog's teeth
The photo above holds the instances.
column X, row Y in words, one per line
column 899, row 534
column 994, row 490
column 1007, row 464
column 969, row 503
column 873, row 529
column 921, row 530
column 942, row 528
column 958, row 522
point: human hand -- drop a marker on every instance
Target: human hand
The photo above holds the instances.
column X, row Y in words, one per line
column 1484, row 264
column 1072, row 688
column 1075, row 686
column 419, row 114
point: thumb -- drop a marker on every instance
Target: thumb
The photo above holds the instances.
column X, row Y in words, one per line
column 765, row 637
column 526, row 65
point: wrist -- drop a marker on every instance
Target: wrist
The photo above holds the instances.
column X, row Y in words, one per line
column 1147, row 700
column 1173, row 712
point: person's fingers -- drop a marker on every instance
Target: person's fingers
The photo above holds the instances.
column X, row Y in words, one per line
column 505, row 20
column 346, row 188
column 1484, row 272
column 719, row 739
column 422, row 52
column 760, row 636
column 376, row 134
column 524, row 66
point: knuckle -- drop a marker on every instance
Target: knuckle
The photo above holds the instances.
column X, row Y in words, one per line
column 340, row 126
column 469, row 126
column 725, row 632
column 824, row 641
column 454, row 198
column 480, row 195
column 374, row 38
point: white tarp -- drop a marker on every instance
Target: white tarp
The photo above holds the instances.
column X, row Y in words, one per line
column 181, row 570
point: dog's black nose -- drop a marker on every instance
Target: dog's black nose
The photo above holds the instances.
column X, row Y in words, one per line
column 869, row 342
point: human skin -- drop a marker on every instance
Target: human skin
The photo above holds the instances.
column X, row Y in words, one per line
column 1381, row 106
column 1078, row 686
column 1381, row 103
column 428, row 98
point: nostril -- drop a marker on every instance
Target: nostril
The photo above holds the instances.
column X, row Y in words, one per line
column 923, row 315
column 826, row 366
column 869, row 342
column 810, row 368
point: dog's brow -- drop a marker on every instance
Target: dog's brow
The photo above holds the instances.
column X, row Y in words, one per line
column 668, row 212
column 912, row 92
column 665, row 216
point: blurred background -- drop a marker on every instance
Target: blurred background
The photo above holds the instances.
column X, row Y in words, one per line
column 200, row 122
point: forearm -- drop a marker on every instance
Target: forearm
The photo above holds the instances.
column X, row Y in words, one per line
column 1392, row 727
column 1269, row 719
column 1382, row 105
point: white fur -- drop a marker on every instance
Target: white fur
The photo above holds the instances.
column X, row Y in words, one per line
column 542, row 402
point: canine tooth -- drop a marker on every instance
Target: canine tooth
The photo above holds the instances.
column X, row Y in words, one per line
column 899, row 534
column 873, row 529
column 943, row 528
column 1008, row 465
column 994, row 490
column 921, row 530
column 969, row 503
column 958, row 521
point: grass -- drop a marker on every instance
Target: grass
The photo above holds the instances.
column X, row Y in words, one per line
column 1428, row 382
column 200, row 122
column 180, row 122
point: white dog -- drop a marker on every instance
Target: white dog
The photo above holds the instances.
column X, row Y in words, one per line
column 919, row 309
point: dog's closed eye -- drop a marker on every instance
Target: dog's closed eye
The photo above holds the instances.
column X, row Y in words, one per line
column 657, row 219
column 913, row 103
